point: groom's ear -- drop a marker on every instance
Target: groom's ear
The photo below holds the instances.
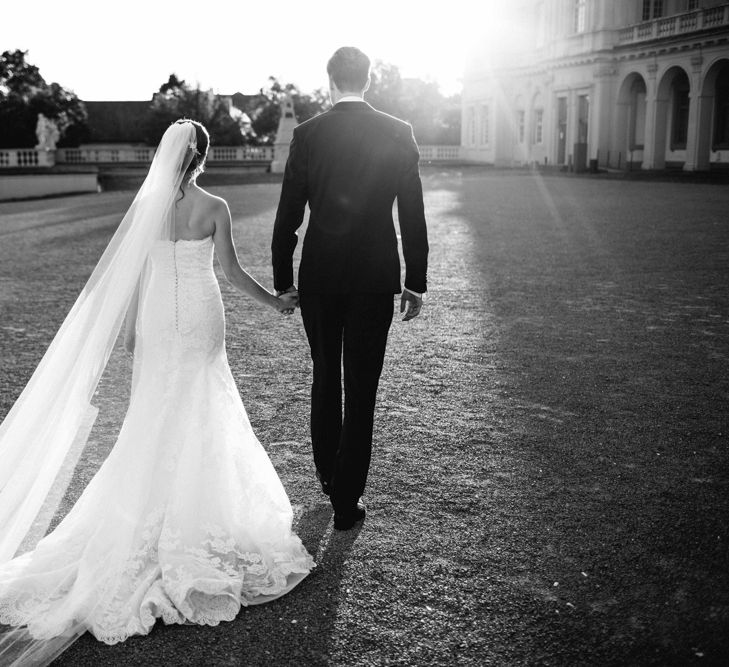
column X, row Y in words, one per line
column 367, row 85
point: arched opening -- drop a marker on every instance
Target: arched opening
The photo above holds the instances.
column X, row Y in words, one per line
column 627, row 152
column 720, row 138
column 713, row 118
column 672, row 116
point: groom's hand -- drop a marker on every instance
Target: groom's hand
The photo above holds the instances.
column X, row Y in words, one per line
column 292, row 297
column 410, row 304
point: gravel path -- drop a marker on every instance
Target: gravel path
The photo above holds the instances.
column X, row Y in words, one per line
column 550, row 478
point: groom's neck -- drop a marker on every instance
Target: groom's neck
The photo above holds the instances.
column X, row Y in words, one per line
column 338, row 95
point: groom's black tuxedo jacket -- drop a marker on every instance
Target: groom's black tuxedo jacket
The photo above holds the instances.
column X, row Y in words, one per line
column 349, row 164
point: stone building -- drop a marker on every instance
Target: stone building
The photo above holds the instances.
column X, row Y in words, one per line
column 609, row 83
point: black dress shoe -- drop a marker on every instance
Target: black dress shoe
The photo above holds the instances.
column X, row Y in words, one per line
column 345, row 521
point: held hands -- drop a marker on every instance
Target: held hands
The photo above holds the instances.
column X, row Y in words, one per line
column 288, row 301
column 412, row 302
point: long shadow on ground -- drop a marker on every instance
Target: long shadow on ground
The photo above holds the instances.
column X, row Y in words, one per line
column 607, row 527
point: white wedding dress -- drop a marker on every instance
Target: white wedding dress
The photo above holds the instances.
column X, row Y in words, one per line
column 186, row 520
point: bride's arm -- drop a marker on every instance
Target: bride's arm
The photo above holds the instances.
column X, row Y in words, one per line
column 234, row 272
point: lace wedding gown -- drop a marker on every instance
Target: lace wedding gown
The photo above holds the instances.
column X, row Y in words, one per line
column 186, row 520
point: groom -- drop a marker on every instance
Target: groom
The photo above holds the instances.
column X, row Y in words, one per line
column 349, row 164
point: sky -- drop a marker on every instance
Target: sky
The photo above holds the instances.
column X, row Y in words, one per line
column 125, row 49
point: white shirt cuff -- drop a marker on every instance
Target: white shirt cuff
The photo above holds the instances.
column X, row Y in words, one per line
column 418, row 294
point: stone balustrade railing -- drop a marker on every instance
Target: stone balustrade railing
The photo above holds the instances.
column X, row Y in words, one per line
column 445, row 153
column 130, row 154
column 26, row 157
column 104, row 155
column 679, row 24
column 30, row 157
column 240, row 153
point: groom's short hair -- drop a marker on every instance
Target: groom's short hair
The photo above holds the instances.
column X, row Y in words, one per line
column 349, row 68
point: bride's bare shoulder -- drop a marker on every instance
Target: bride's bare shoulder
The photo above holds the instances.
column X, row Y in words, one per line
column 213, row 202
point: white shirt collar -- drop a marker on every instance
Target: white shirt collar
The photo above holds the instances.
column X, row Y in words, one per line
column 351, row 98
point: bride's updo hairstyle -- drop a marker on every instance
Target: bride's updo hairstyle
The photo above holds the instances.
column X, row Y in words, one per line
column 197, row 163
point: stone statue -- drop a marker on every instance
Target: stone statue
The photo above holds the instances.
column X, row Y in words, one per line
column 46, row 131
column 286, row 124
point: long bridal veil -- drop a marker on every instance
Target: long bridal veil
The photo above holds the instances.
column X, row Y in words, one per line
column 46, row 429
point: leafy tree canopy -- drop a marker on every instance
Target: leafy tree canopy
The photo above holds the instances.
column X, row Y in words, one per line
column 436, row 119
column 177, row 99
column 252, row 119
column 24, row 94
column 264, row 109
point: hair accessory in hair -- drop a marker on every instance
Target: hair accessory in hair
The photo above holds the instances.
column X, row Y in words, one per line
column 193, row 141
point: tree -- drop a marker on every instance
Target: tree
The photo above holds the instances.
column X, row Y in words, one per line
column 24, row 94
column 173, row 83
column 386, row 88
column 308, row 105
column 435, row 119
column 177, row 99
column 254, row 118
column 264, row 109
column 449, row 120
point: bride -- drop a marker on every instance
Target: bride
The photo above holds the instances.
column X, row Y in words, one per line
column 186, row 520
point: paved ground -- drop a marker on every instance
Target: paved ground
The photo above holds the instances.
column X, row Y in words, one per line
column 551, row 476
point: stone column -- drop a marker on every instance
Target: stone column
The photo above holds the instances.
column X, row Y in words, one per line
column 699, row 120
column 549, row 119
column 286, row 124
column 601, row 113
column 503, row 131
column 651, row 112
column 571, row 127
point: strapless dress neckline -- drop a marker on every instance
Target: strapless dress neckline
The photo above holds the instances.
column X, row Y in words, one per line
column 206, row 238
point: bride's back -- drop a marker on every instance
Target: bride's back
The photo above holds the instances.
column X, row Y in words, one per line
column 194, row 214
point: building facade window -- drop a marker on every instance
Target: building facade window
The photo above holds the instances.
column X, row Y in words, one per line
column 538, row 126
column 520, row 125
column 680, row 114
column 691, row 5
column 471, row 126
column 652, row 9
column 484, row 138
column 580, row 9
column 721, row 111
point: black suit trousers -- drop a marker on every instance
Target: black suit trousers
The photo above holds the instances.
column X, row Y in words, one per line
column 349, row 331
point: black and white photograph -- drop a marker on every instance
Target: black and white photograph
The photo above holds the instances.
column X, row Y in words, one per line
column 364, row 335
